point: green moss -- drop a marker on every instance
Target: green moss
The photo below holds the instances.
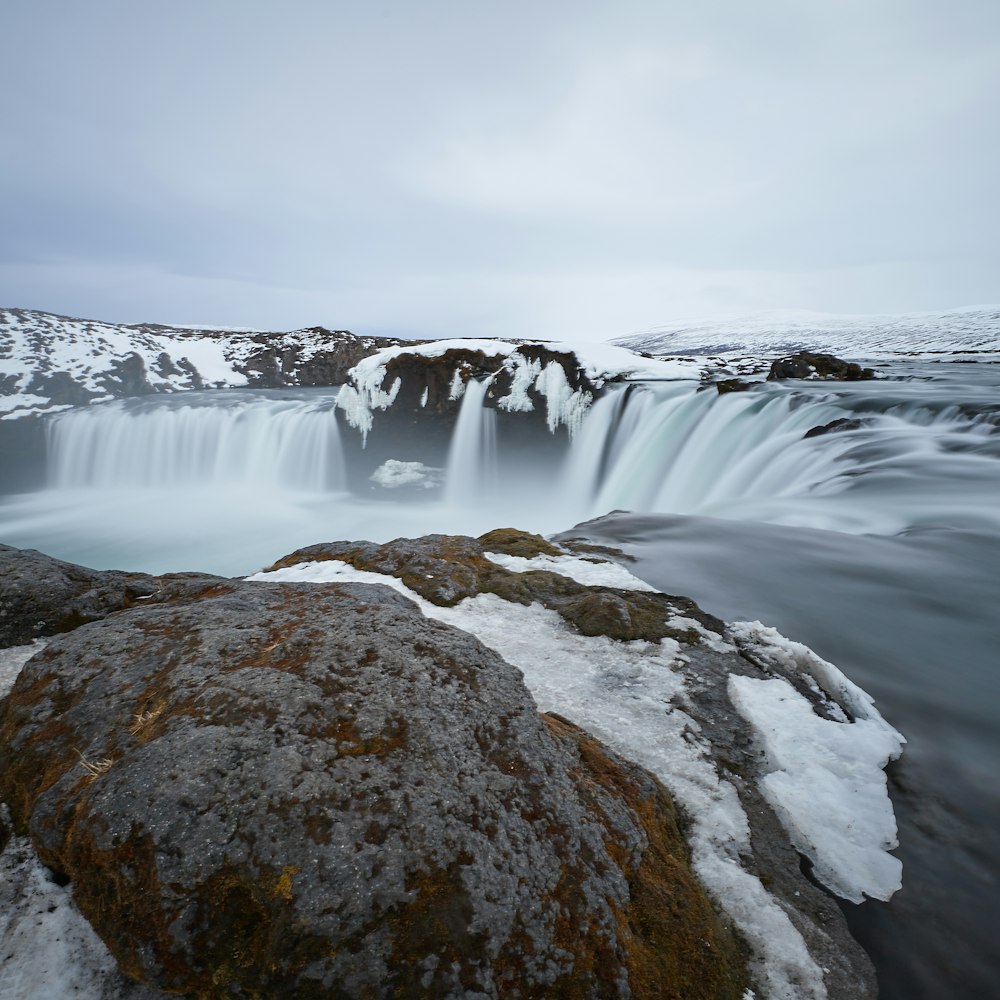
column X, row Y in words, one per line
column 512, row 542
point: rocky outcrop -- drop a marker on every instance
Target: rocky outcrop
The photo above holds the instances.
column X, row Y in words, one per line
column 42, row 596
column 51, row 362
column 300, row 790
column 405, row 403
column 723, row 386
column 278, row 787
column 446, row 569
column 807, row 365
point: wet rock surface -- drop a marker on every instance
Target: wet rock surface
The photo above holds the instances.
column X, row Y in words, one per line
column 313, row 790
column 835, row 426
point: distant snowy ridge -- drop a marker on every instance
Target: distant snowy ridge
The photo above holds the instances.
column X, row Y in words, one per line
column 955, row 331
column 50, row 362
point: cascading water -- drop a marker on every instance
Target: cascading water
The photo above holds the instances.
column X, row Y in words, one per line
column 206, row 441
column 900, row 464
column 472, row 457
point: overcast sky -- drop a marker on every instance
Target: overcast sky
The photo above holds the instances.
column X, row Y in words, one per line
column 466, row 168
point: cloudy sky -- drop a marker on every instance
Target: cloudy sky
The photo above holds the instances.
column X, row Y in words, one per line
column 543, row 168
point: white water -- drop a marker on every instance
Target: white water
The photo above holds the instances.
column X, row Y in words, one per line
column 230, row 481
column 472, row 457
column 209, row 442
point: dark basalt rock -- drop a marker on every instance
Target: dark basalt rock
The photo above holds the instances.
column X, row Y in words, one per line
column 42, row 596
column 835, row 426
column 732, row 385
column 314, row 791
column 806, row 364
column 277, row 365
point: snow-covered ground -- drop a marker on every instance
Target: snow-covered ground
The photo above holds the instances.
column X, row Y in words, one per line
column 770, row 333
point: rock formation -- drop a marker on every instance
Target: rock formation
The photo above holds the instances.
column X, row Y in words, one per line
column 290, row 790
column 275, row 787
column 806, row 364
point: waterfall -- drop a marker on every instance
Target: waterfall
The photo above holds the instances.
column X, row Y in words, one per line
column 672, row 449
column 472, row 456
column 209, row 440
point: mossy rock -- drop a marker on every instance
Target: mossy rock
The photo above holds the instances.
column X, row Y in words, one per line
column 446, row 569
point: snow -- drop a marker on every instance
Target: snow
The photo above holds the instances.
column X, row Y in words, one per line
column 589, row 572
column 826, row 782
column 47, row 948
column 394, row 473
column 769, row 646
column 626, row 694
column 768, row 333
column 12, row 659
column 827, row 787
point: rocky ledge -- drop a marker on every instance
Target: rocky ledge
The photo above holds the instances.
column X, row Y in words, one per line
column 333, row 779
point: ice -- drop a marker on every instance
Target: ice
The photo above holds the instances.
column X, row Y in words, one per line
column 827, row 787
column 770, row 647
column 394, row 473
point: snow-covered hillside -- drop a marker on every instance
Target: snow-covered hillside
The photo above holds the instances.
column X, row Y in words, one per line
column 958, row 331
column 50, row 362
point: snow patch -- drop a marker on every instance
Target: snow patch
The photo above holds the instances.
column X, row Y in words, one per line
column 49, row 949
column 589, row 572
column 12, row 659
column 827, row 787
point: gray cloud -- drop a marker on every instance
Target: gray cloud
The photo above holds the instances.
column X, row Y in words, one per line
column 568, row 168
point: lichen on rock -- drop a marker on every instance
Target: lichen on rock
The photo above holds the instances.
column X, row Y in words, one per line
column 316, row 791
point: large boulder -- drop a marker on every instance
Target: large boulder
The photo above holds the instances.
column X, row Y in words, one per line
column 810, row 365
column 312, row 790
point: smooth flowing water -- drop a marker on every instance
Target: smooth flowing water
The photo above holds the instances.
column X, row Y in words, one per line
column 862, row 519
